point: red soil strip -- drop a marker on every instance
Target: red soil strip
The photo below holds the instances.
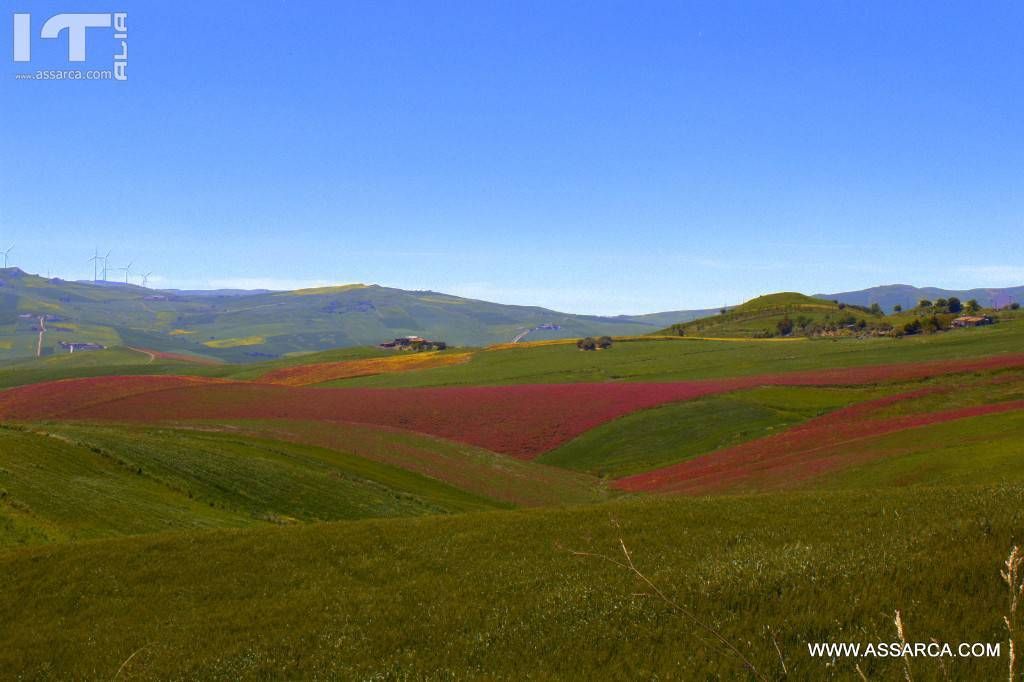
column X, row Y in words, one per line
column 520, row 420
column 50, row 399
column 828, row 443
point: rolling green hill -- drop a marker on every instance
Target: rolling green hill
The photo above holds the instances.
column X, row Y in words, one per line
column 261, row 325
column 760, row 317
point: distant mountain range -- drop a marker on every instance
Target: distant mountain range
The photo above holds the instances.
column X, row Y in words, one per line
column 238, row 325
column 908, row 296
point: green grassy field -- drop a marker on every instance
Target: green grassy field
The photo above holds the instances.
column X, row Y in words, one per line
column 500, row 595
column 962, row 452
column 62, row 482
column 473, row 469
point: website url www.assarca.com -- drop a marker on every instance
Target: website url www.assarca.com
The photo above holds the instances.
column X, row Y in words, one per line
column 901, row 649
column 65, row 75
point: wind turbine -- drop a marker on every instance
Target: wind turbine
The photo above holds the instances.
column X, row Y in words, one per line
column 127, row 270
column 106, row 260
column 95, row 260
column 145, row 279
column 9, row 249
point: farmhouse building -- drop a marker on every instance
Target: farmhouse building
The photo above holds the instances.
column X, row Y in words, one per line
column 414, row 343
column 971, row 321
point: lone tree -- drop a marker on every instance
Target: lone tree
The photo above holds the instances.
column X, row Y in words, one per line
column 604, row 342
column 953, row 305
column 897, row 308
column 587, row 344
column 924, row 303
column 876, row 309
column 1015, row 306
column 972, row 306
column 785, row 326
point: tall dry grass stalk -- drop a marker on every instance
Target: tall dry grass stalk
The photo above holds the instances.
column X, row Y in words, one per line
column 1013, row 576
column 718, row 638
column 901, row 631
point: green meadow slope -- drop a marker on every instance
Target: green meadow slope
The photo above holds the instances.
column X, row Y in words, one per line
column 62, row 482
column 502, row 596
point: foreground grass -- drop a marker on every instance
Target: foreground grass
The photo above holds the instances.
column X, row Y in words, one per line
column 499, row 595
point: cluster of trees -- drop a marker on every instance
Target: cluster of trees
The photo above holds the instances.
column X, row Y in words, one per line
column 873, row 309
column 806, row 325
column 589, row 343
column 950, row 305
column 927, row 325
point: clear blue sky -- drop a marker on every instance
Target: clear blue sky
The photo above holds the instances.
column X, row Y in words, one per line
column 588, row 156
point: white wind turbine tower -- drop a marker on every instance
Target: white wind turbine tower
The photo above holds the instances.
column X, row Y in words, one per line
column 95, row 260
column 127, row 270
column 9, row 249
column 106, row 260
column 145, row 279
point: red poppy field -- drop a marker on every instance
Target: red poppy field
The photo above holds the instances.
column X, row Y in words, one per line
column 520, row 420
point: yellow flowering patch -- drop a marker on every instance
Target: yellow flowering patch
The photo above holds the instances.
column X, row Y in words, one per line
column 235, row 343
column 179, row 332
column 532, row 344
column 319, row 373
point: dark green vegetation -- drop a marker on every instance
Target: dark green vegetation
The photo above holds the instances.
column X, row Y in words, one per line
column 500, row 595
column 261, row 325
column 664, row 435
